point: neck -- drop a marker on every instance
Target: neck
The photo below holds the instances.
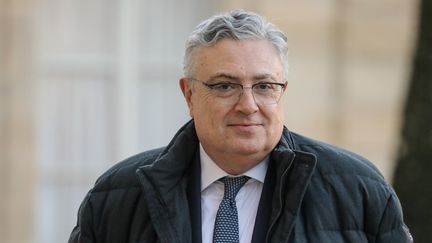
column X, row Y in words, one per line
column 237, row 165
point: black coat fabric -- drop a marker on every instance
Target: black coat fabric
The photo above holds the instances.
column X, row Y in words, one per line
column 321, row 194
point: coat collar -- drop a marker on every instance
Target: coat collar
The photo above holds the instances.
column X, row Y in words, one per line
column 168, row 169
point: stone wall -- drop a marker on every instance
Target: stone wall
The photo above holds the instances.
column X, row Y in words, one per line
column 75, row 79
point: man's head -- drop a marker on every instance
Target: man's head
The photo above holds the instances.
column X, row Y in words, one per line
column 235, row 76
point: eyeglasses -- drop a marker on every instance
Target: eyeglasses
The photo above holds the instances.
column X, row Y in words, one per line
column 264, row 93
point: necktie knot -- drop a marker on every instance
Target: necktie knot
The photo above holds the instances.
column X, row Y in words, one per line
column 233, row 185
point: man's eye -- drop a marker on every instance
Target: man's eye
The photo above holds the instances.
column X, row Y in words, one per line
column 263, row 86
column 224, row 86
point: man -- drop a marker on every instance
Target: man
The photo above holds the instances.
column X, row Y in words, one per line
column 234, row 173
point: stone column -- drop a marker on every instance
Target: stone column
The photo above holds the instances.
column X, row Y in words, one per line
column 16, row 121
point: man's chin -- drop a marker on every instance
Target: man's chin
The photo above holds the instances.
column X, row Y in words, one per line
column 246, row 149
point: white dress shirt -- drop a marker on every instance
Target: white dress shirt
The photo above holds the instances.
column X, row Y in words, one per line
column 247, row 199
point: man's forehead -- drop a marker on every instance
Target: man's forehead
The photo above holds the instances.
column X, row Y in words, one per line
column 231, row 59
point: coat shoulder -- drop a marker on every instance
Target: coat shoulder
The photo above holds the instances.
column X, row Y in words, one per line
column 123, row 174
column 333, row 160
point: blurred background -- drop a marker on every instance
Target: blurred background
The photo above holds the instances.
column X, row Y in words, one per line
column 84, row 84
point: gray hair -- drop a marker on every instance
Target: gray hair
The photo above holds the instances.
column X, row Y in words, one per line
column 236, row 25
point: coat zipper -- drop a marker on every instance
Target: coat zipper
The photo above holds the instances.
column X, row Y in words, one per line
column 280, row 200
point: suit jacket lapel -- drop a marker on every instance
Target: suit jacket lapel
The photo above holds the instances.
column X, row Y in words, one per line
column 194, row 198
column 264, row 207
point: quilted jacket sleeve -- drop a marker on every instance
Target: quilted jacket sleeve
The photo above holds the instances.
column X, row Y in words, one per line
column 82, row 232
column 392, row 228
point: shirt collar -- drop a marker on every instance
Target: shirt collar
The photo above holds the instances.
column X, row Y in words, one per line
column 211, row 172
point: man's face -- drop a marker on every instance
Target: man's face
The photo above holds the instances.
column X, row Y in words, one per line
column 240, row 135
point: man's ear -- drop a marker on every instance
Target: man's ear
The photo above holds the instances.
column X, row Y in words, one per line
column 286, row 85
column 187, row 93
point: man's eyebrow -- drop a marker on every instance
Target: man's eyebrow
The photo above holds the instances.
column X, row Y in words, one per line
column 228, row 76
column 264, row 76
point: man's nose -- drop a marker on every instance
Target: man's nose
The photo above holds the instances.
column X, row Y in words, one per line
column 246, row 103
